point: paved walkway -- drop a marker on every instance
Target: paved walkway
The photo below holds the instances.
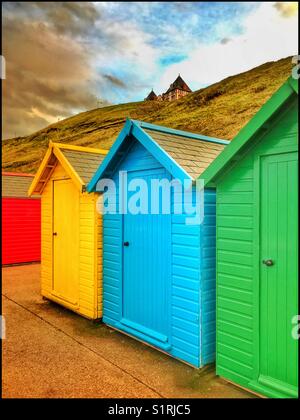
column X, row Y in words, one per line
column 51, row 352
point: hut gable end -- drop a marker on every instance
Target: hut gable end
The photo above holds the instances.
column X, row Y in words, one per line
column 256, row 182
column 79, row 163
column 159, row 270
column 71, row 263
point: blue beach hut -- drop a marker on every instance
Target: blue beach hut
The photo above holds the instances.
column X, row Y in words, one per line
column 158, row 266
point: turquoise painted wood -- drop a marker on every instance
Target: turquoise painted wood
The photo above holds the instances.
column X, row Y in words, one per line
column 145, row 285
column 257, row 220
column 161, row 288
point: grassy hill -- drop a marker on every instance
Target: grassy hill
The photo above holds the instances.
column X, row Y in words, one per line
column 219, row 110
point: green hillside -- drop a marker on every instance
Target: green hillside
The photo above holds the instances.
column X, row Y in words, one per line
column 219, row 110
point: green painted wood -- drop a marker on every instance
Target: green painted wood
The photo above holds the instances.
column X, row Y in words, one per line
column 278, row 283
column 247, row 133
column 256, row 218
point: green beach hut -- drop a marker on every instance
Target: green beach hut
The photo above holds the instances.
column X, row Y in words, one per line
column 256, row 237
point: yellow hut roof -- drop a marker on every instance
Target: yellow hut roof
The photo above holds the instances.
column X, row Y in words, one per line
column 79, row 162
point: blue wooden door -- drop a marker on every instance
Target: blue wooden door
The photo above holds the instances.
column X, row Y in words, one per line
column 146, row 269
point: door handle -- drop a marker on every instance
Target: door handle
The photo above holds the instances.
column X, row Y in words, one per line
column 54, row 233
column 268, row 262
column 126, row 243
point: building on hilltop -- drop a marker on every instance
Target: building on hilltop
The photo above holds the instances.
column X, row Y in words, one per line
column 151, row 97
column 177, row 90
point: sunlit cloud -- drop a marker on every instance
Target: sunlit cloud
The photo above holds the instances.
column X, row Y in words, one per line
column 287, row 9
column 74, row 56
column 267, row 36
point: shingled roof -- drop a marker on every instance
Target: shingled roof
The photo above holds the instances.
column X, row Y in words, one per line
column 179, row 84
column 84, row 163
column 184, row 154
column 193, row 155
column 152, row 96
column 15, row 185
column 79, row 162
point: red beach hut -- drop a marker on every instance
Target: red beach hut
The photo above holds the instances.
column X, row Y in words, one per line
column 21, row 220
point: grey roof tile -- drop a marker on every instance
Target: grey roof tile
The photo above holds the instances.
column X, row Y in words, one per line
column 16, row 186
column 84, row 163
column 193, row 155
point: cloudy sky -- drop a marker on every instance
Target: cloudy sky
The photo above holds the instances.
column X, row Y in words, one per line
column 67, row 57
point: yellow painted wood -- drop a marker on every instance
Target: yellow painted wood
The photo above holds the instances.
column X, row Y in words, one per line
column 55, row 149
column 78, row 148
column 66, row 241
column 86, row 263
column 71, row 275
column 40, row 171
column 68, row 168
column 98, row 258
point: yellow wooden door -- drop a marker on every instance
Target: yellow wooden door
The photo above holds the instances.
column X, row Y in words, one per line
column 66, row 241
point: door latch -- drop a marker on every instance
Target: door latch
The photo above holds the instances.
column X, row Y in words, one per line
column 126, row 243
column 54, row 233
column 268, row 262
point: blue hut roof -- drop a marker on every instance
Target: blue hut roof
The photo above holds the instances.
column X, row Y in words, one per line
column 185, row 155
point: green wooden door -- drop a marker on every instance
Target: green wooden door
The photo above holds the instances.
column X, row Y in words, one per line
column 278, row 368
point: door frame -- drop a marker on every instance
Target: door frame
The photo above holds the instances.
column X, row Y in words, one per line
column 74, row 303
column 123, row 324
column 254, row 383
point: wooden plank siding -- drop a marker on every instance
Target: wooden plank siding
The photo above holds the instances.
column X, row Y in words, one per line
column 208, row 277
column 185, row 289
column 237, row 227
column 90, row 249
column 99, row 256
column 192, row 282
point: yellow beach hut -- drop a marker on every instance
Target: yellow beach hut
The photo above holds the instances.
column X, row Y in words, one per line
column 71, row 257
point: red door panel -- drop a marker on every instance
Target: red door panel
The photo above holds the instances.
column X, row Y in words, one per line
column 21, row 230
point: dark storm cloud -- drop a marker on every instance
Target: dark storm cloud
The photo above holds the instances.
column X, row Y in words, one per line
column 225, row 40
column 70, row 17
column 48, row 74
column 115, row 80
column 61, row 59
column 76, row 18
